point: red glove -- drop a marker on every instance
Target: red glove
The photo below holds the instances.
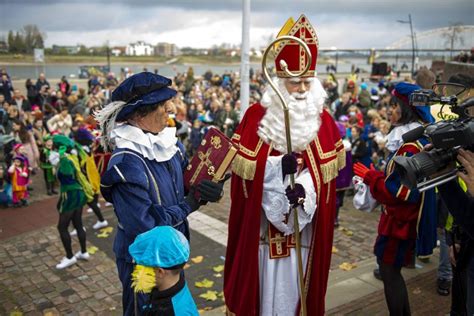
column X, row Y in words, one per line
column 361, row 170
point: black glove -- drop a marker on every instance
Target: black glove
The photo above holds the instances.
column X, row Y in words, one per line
column 191, row 200
column 289, row 164
column 212, row 191
column 296, row 196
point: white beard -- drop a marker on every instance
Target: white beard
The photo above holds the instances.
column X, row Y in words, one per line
column 305, row 117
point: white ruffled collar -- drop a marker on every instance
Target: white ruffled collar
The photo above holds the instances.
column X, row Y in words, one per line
column 159, row 147
column 394, row 138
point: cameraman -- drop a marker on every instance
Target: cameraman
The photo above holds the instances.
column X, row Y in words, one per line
column 460, row 204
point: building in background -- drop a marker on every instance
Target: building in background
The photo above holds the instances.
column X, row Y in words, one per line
column 139, row 49
column 66, row 50
column 118, row 50
column 166, row 49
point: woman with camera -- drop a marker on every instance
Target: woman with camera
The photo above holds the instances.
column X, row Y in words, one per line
column 398, row 232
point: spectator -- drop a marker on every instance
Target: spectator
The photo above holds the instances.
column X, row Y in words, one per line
column 6, row 88
column 42, row 82
column 61, row 122
column 26, row 138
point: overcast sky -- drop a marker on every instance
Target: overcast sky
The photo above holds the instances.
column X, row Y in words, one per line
column 203, row 23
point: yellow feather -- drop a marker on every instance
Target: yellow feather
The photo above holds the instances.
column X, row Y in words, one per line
column 143, row 279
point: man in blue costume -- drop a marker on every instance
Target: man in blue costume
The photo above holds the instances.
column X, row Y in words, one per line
column 144, row 178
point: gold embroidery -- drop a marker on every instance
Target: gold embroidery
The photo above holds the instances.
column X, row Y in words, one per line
column 244, row 168
column 236, row 137
column 329, row 170
column 322, row 154
column 249, row 152
column 315, row 171
column 341, row 158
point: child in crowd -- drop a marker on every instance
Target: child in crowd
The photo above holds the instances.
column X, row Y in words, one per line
column 19, row 179
column 45, row 164
column 160, row 255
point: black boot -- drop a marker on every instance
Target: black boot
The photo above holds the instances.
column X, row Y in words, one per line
column 52, row 188
column 48, row 188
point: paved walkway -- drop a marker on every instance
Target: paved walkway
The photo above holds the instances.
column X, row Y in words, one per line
column 30, row 248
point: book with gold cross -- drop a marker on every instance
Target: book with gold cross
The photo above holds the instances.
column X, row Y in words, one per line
column 212, row 159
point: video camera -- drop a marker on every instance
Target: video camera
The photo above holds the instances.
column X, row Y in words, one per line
column 446, row 136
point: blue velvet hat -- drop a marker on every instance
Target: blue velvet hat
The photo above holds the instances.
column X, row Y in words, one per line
column 144, row 88
column 403, row 90
column 162, row 246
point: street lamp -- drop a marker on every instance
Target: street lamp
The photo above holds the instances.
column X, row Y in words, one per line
column 412, row 42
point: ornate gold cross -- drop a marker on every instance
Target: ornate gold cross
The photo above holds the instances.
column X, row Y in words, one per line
column 204, row 157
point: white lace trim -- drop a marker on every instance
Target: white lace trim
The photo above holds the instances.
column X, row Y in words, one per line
column 275, row 203
column 305, row 117
column 394, row 138
column 160, row 147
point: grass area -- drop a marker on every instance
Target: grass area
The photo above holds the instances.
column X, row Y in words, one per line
column 75, row 59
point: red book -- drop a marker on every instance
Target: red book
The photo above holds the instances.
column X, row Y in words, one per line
column 212, row 159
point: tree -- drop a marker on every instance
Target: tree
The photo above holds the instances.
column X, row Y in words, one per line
column 19, row 44
column 33, row 38
column 11, row 42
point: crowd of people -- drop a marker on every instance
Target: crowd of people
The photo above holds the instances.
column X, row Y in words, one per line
column 54, row 130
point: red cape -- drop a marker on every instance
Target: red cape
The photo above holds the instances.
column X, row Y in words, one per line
column 325, row 156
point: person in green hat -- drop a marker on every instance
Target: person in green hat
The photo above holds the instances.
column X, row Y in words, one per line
column 71, row 201
column 47, row 166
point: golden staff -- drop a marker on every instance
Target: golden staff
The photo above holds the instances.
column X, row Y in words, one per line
column 284, row 66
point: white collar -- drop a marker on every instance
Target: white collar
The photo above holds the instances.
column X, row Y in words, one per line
column 159, row 147
column 394, row 138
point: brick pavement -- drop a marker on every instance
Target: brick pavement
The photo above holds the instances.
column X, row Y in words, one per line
column 31, row 247
column 424, row 300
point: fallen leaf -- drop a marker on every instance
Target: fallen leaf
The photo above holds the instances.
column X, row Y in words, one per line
column 218, row 268
column 16, row 313
column 197, row 259
column 348, row 233
column 346, row 266
column 334, row 250
column 186, row 266
column 92, row 249
column 107, row 229
column 217, row 275
column 204, row 283
column 103, row 235
column 221, row 294
column 417, row 290
column 209, row 295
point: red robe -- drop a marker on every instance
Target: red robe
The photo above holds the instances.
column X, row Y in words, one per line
column 324, row 156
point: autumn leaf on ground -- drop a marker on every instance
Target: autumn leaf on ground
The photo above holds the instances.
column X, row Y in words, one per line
column 346, row 266
column 221, row 294
column 103, row 235
column 346, row 231
column 197, row 259
column 417, row 290
column 205, row 309
column 92, row 249
column 209, row 295
column 334, row 250
column 16, row 313
column 217, row 275
column 204, row 283
column 186, row 266
column 107, row 229
column 218, row 268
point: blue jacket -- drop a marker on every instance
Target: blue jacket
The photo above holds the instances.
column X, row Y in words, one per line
column 145, row 194
column 176, row 300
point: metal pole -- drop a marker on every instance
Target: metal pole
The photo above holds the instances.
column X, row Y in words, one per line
column 245, row 59
column 413, row 47
column 296, row 226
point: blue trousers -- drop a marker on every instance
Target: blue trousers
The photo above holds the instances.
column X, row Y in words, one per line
column 444, row 267
column 125, row 270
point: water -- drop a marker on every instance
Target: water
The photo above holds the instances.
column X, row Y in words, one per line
column 72, row 70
